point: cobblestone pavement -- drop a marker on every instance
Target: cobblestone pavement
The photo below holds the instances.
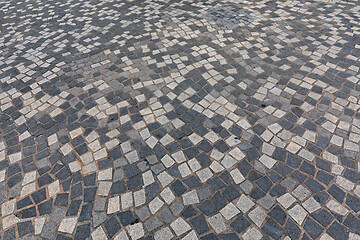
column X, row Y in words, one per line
column 176, row 119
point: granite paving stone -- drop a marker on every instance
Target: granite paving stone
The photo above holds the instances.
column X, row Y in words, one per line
column 180, row 119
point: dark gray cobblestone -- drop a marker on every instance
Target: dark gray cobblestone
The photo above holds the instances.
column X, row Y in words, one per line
column 179, row 119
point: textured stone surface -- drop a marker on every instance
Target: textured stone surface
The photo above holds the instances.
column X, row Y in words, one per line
column 179, row 119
